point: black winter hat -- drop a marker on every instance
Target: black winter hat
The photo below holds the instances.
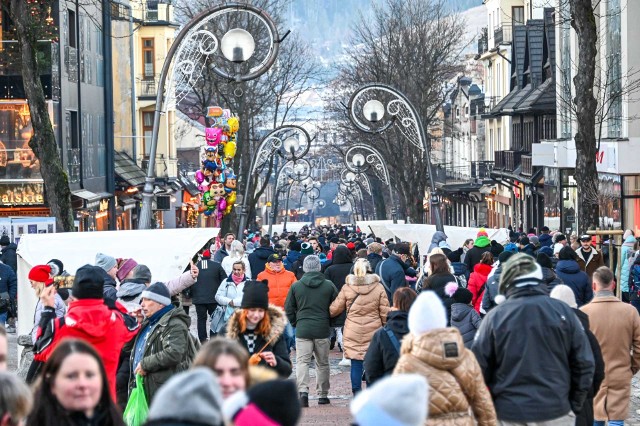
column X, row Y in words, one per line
column 4, row 241
column 295, row 246
column 463, row 295
column 270, row 402
column 544, row 260
column 255, row 294
column 504, row 256
column 88, row 283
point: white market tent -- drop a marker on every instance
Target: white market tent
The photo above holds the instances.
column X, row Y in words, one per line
column 378, row 227
column 456, row 235
column 166, row 252
column 291, row 227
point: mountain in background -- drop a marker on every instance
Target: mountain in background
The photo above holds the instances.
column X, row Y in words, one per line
column 326, row 24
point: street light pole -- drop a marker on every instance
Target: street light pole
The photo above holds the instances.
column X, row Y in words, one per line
column 192, row 35
column 368, row 114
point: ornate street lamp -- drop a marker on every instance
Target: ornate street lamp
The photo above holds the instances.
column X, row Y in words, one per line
column 360, row 158
column 290, row 142
column 191, row 48
column 369, row 114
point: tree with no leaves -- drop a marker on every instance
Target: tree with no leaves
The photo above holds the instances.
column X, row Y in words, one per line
column 29, row 30
column 414, row 46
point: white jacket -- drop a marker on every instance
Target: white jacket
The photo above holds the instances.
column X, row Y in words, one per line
column 227, row 292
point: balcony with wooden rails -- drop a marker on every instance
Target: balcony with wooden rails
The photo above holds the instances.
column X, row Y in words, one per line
column 527, row 167
column 512, row 160
column 498, row 162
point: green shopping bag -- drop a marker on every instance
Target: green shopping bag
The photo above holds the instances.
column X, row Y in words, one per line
column 137, row 409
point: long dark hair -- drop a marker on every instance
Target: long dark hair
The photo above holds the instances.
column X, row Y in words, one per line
column 47, row 411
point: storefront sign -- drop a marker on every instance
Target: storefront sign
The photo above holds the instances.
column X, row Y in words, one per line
column 21, row 194
column 104, row 205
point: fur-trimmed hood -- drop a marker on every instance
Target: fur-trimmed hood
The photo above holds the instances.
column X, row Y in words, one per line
column 362, row 285
column 278, row 322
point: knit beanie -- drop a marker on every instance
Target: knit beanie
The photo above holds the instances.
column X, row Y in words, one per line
column 524, row 241
column 105, row 262
column 41, row 274
column 427, row 313
column 306, row 248
column 255, row 294
column 124, row 269
column 158, row 292
column 511, row 247
column 546, row 250
column 192, row 397
column 311, row 263
column 56, row 267
column 393, row 401
column 534, row 240
column 520, row 270
column 88, row 283
column 564, row 293
column 462, row 295
column 142, row 272
column 482, row 233
column 271, row 403
column 4, row 240
column 295, row 246
column 544, row 260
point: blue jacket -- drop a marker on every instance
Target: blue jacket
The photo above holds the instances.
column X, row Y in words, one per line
column 624, row 265
column 570, row 274
column 291, row 258
column 258, row 259
column 392, row 272
column 8, row 281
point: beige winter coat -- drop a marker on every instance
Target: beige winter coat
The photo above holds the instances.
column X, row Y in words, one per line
column 616, row 325
column 457, row 392
column 365, row 314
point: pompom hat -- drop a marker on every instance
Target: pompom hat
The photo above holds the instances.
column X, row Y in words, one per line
column 427, row 313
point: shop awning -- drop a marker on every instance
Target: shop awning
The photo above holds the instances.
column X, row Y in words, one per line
column 128, row 170
column 188, row 186
column 85, row 195
column 127, row 202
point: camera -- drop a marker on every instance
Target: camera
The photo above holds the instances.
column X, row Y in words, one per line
column 63, row 281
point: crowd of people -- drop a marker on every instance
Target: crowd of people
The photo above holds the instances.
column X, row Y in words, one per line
column 527, row 331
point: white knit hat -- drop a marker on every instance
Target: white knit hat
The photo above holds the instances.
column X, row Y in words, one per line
column 427, row 313
column 564, row 293
column 400, row 400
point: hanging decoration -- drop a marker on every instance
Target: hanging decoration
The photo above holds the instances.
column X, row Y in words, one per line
column 215, row 178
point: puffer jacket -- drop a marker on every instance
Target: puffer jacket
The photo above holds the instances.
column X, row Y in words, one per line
column 279, row 284
column 466, row 320
column 367, row 305
column 570, row 274
column 169, row 349
column 477, row 281
column 275, row 338
column 454, row 376
column 624, row 265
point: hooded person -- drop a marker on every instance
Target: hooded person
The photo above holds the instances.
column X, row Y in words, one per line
column 510, row 359
column 393, row 401
column 190, row 398
column 8, row 254
column 545, row 239
column 548, row 274
column 88, row 318
column 292, row 256
column 568, row 270
column 463, row 315
column 259, row 259
column 457, row 393
column 480, row 245
column 493, row 282
column 437, row 238
column 624, row 266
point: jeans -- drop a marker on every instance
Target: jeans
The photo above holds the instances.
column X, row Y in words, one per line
column 357, row 367
column 611, row 423
column 203, row 312
column 290, row 336
column 3, row 319
column 304, row 349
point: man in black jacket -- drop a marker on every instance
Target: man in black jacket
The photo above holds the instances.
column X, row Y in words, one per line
column 533, row 351
column 203, row 292
column 8, row 291
column 9, row 256
column 258, row 259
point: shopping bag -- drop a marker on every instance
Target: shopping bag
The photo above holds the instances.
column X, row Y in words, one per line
column 217, row 319
column 137, row 409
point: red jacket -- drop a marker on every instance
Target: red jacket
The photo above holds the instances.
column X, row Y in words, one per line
column 107, row 330
column 279, row 284
column 477, row 280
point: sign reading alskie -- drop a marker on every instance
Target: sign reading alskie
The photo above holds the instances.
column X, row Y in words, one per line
column 21, row 194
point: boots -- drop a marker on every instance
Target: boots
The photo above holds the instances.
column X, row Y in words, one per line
column 304, row 399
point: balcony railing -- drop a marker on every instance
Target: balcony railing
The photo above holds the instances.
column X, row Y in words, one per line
column 73, row 164
column 512, row 160
column 527, row 168
column 499, row 161
column 481, row 169
column 502, row 35
column 483, row 41
column 147, row 86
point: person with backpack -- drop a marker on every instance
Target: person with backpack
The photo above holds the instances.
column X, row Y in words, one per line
column 384, row 349
column 305, row 250
column 634, row 284
column 478, row 279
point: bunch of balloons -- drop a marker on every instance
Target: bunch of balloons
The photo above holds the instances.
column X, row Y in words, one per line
column 215, row 179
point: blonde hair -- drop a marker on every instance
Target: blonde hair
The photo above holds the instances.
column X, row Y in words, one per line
column 361, row 267
column 39, row 288
column 15, row 397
